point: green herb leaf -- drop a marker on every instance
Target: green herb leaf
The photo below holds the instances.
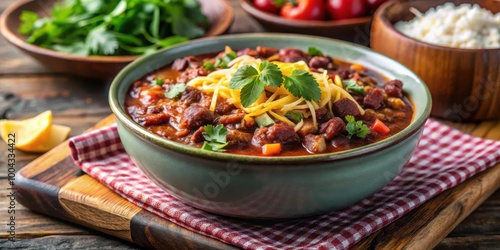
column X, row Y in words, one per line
column 294, row 116
column 356, row 128
column 251, row 93
column 78, row 48
column 175, row 90
column 303, row 85
column 209, row 66
column 243, row 76
column 215, row 137
column 270, row 74
column 28, row 19
column 101, row 42
column 114, row 27
column 160, row 81
column 313, row 51
column 352, row 86
column 252, row 83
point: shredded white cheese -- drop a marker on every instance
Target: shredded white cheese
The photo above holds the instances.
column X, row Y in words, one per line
column 465, row 26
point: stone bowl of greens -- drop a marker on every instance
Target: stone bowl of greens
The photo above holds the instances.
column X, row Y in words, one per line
column 97, row 38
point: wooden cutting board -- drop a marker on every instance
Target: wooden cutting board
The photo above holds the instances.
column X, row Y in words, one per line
column 54, row 185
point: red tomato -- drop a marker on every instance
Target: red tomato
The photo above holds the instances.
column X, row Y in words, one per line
column 373, row 4
column 344, row 9
column 304, row 10
column 267, row 6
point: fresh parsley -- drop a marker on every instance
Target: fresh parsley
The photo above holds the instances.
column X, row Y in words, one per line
column 215, row 138
column 352, row 86
column 158, row 81
column 252, row 82
column 175, row 90
column 313, row 51
column 357, row 128
column 302, row 84
column 114, row 27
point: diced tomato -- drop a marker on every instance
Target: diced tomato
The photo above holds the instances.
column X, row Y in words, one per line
column 379, row 127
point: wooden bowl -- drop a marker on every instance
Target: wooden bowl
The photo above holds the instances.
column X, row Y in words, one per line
column 464, row 83
column 355, row 30
column 219, row 13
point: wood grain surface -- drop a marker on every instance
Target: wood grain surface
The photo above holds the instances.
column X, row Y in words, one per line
column 28, row 88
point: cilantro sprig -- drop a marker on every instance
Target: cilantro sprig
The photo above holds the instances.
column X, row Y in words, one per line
column 357, row 128
column 352, row 87
column 215, row 138
column 175, row 90
column 252, row 82
column 114, row 27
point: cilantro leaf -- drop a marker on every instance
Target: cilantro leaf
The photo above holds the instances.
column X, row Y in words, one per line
column 215, row 137
column 303, row 85
column 252, row 83
column 270, row 74
column 243, row 76
column 175, row 90
column 313, row 51
column 356, row 128
column 114, row 27
column 28, row 19
column 160, row 81
column 101, row 42
column 251, row 93
column 78, row 48
column 352, row 86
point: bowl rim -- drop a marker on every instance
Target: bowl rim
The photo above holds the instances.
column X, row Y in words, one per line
column 117, row 108
column 12, row 37
column 381, row 15
column 275, row 19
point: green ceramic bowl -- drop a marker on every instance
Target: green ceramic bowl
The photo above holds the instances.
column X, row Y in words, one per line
column 269, row 187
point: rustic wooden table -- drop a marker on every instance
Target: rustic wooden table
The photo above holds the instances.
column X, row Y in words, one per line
column 28, row 88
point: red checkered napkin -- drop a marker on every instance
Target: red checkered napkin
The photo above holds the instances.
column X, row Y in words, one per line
column 444, row 158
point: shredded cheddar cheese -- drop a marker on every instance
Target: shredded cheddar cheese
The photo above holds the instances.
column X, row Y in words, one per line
column 276, row 102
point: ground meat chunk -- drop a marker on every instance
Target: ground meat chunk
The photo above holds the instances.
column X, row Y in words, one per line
column 394, row 88
column 196, row 116
column 314, row 143
column 191, row 95
column 292, row 55
column 231, row 119
column 332, row 128
column 181, row 64
column 197, row 136
column 344, row 107
column 223, row 107
column 235, row 136
column 373, row 99
column 322, row 115
column 279, row 132
column 154, row 119
column 265, row 51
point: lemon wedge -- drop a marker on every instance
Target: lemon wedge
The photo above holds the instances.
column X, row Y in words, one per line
column 36, row 134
